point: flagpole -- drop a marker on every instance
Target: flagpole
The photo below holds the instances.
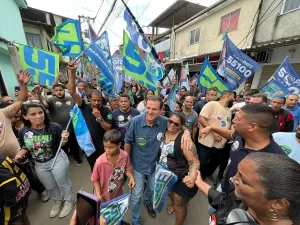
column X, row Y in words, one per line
column 142, row 32
column 60, row 145
column 61, row 141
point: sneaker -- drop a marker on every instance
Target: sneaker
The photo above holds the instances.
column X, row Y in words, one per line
column 68, row 206
column 56, row 208
column 78, row 162
column 44, row 196
column 150, row 210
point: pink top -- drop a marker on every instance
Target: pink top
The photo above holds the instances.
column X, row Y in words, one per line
column 111, row 176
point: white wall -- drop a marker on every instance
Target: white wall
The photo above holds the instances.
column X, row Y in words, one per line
column 278, row 56
column 163, row 46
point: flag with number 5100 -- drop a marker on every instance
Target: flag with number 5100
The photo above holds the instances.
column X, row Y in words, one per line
column 235, row 65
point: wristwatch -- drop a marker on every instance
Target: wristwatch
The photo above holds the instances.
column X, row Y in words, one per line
column 99, row 119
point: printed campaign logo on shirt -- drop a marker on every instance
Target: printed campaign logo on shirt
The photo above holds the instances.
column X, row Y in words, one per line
column 40, row 145
column 141, row 142
column 58, row 103
column 109, row 116
column 159, row 136
column 120, row 118
column 235, row 146
column 286, row 149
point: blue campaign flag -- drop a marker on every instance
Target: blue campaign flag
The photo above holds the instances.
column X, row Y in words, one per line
column 235, row 65
column 114, row 210
column 154, row 67
column 92, row 34
column 82, row 133
column 208, row 78
column 163, row 182
column 274, row 89
column 98, row 54
column 171, row 102
column 286, row 76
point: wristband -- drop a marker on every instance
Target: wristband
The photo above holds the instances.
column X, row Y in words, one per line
column 99, row 119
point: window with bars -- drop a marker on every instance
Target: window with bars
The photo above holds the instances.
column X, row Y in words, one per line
column 290, row 5
column 230, row 21
column 195, row 36
column 34, row 40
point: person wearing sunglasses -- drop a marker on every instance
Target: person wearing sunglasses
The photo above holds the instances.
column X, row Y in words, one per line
column 182, row 162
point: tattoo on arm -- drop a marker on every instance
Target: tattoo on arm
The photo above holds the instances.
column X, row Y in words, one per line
column 194, row 162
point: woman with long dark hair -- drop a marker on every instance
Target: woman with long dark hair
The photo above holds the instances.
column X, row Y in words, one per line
column 40, row 137
column 183, row 162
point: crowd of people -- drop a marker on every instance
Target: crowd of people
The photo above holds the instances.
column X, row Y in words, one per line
column 251, row 143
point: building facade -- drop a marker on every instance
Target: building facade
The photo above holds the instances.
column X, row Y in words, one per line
column 10, row 30
column 278, row 34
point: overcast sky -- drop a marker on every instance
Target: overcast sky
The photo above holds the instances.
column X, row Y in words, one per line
column 144, row 10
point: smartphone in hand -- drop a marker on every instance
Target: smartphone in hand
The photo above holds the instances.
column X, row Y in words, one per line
column 88, row 209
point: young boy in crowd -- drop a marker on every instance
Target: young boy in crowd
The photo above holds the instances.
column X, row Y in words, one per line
column 110, row 168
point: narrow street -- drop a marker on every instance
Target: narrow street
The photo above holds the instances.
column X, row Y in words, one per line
column 80, row 176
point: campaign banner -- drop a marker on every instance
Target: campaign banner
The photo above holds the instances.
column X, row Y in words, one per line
column 134, row 66
column 114, row 210
column 169, row 78
column 235, row 65
column 208, row 78
column 273, row 89
column 164, row 181
column 171, row 102
column 99, row 56
column 117, row 62
column 67, row 38
column 42, row 65
column 286, row 76
column 184, row 80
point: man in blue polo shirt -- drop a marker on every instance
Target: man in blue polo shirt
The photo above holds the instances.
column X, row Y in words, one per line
column 291, row 106
column 142, row 143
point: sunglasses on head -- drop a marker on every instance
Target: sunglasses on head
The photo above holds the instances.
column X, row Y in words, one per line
column 171, row 122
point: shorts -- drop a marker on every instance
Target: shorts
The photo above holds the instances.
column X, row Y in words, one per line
column 183, row 191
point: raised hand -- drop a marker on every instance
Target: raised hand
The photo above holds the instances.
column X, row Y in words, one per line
column 72, row 66
column 24, row 77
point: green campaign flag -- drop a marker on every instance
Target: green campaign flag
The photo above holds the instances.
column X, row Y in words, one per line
column 42, row 65
column 208, row 78
column 134, row 66
column 67, row 38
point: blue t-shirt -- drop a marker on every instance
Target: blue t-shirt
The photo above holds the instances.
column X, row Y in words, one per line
column 288, row 142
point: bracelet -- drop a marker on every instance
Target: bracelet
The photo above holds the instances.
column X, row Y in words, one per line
column 99, row 119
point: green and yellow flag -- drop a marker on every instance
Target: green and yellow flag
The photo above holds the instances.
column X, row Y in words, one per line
column 134, row 66
column 208, row 78
column 41, row 64
column 67, row 38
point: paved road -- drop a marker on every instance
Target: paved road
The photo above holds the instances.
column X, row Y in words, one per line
column 80, row 176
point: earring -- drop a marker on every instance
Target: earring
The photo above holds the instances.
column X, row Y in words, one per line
column 272, row 214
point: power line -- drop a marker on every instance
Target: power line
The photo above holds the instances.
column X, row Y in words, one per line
column 114, row 14
column 110, row 11
column 259, row 19
column 144, row 9
column 98, row 11
column 260, row 22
